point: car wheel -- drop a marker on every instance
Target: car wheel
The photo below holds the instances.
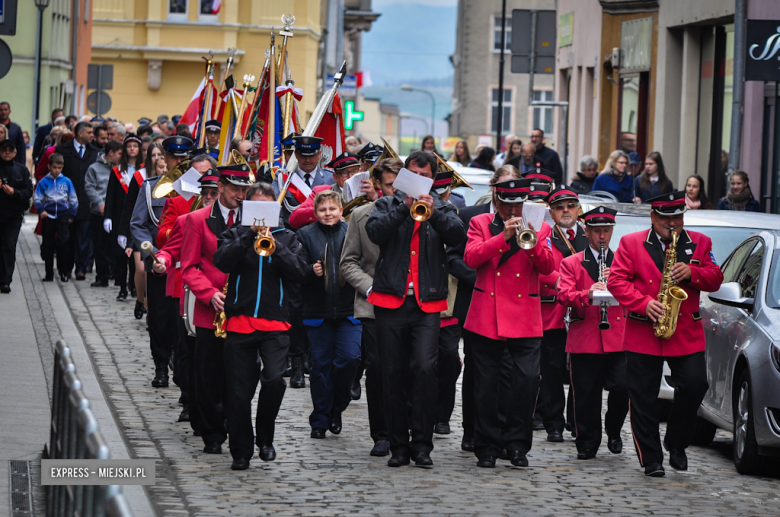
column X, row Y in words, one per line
column 746, row 457
column 704, row 432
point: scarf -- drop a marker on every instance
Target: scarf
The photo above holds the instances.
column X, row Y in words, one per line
column 739, row 201
column 691, row 204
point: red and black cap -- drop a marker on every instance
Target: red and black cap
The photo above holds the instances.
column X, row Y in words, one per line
column 599, row 216
column 512, row 190
column 209, row 179
column 561, row 193
column 214, row 125
column 672, row 203
column 132, row 137
column 343, row 161
column 539, row 175
column 539, row 191
column 443, row 181
column 237, row 174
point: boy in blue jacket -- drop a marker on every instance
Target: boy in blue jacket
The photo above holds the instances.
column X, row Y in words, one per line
column 55, row 199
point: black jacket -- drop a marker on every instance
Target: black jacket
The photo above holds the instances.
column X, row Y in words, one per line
column 257, row 284
column 551, row 161
column 583, row 184
column 18, row 178
column 390, row 226
column 466, row 276
column 75, row 169
column 338, row 299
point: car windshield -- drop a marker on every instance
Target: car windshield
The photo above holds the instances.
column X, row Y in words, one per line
column 472, row 196
column 773, row 284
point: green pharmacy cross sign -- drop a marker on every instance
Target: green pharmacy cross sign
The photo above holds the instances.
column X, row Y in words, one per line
column 351, row 115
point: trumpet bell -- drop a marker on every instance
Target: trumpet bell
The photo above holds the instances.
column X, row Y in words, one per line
column 527, row 239
column 420, row 211
column 352, row 205
column 164, row 186
column 265, row 244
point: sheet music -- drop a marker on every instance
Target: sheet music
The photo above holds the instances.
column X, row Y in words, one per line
column 412, row 184
column 353, row 184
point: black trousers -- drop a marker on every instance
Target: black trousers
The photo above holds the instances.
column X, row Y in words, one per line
column 80, row 245
column 516, row 433
column 299, row 338
column 163, row 333
column 55, row 233
column 101, row 248
column 210, row 376
column 377, row 420
column 180, row 359
column 552, row 399
column 241, row 351
column 408, row 345
column 467, row 386
column 9, row 235
column 448, row 370
column 590, row 374
column 192, row 384
column 689, row 375
column 121, row 264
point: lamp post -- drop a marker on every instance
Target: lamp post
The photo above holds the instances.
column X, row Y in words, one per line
column 41, row 5
column 415, row 117
column 410, row 88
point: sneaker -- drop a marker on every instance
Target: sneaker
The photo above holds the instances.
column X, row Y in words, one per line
column 122, row 296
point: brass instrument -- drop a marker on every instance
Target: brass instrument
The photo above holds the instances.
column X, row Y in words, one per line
column 265, row 244
column 352, row 205
column 604, row 323
column 457, row 180
column 421, row 211
column 526, row 237
column 669, row 295
column 164, row 186
column 220, row 320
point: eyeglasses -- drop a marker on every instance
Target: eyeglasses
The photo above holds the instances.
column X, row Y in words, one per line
column 560, row 206
column 589, row 169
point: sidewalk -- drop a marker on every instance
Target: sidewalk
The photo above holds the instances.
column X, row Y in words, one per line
column 34, row 316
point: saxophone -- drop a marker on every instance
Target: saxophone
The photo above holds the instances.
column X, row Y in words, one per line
column 220, row 320
column 670, row 295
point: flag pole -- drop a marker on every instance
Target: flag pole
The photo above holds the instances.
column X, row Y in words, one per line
column 270, row 124
column 205, row 112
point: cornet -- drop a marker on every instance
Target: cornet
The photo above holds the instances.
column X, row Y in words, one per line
column 526, row 237
column 265, row 244
column 420, row 211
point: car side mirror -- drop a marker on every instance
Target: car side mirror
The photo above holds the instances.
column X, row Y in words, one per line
column 730, row 294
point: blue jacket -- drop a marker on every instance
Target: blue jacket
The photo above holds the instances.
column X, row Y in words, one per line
column 56, row 196
column 652, row 190
column 623, row 190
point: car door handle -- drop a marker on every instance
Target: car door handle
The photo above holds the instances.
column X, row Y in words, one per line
column 715, row 324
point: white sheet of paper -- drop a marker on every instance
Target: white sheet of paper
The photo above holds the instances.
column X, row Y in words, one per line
column 353, row 184
column 600, row 297
column 187, row 185
column 533, row 214
column 302, row 186
column 265, row 212
column 412, row 184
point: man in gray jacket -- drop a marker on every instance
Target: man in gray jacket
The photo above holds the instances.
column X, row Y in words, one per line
column 358, row 261
column 95, row 185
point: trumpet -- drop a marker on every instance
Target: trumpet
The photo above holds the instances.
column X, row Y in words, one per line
column 420, row 211
column 526, row 237
column 265, row 244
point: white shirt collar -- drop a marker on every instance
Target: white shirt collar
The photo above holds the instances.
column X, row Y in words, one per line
column 663, row 246
column 302, row 174
column 595, row 253
column 226, row 212
column 564, row 230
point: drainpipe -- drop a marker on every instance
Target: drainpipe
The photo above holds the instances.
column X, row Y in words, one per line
column 738, row 82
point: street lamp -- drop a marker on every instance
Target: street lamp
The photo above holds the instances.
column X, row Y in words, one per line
column 41, row 5
column 416, row 117
column 410, row 88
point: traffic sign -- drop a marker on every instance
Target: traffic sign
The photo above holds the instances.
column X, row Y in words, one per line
column 351, row 116
column 347, row 89
column 543, row 46
column 100, row 77
column 92, row 103
column 6, row 58
column 8, row 17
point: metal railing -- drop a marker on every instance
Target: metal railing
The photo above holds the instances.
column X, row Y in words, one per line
column 75, row 435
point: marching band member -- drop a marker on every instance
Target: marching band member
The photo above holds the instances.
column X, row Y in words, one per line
column 507, row 287
column 257, row 320
column 308, row 153
column 344, row 166
column 597, row 359
column 636, row 276
column 567, row 239
column 409, row 292
column 213, row 130
column 368, row 155
column 206, row 282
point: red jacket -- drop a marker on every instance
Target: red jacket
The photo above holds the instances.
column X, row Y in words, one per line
column 635, row 279
column 578, row 273
column 197, row 265
column 171, row 252
column 174, row 208
column 304, row 213
column 505, row 303
column 552, row 312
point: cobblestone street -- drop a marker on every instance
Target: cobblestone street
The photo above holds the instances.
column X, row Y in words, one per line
column 337, row 475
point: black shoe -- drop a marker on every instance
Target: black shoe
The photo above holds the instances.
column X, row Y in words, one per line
column 335, row 423
column 297, row 379
column 615, row 444
column 214, row 448
column 288, row 370
column 80, row 276
column 240, row 464
column 138, row 312
column 677, row 458
column 442, row 428
column 423, row 459
column 160, row 374
column 5, row 288
column 49, row 277
column 538, row 425
column 184, row 416
column 267, row 453
column 64, row 278
column 555, row 436
column 586, row 454
column 467, row 444
column 568, row 427
column 518, row 459
column 122, row 296
column 318, row 433
column 398, row 460
column 99, row 283
column 654, row 470
column 381, row 448
column 355, row 391
column 488, row 462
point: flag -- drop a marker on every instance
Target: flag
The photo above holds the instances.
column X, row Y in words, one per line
column 215, row 6
column 228, row 118
column 192, row 115
column 297, row 95
column 363, row 79
column 260, row 140
column 331, row 130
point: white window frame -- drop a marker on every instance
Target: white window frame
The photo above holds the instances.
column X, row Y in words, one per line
column 546, row 95
column 496, row 25
column 208, row 18
column 178, row 17
column 507, row 105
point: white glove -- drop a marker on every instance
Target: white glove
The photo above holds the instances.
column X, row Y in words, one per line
column 107, row 225
column 122, row 240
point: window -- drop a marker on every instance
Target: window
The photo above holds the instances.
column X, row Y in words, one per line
column 751, row 271
column 506, row 120
column 543, row 115
column 731, row 268
column 497, row 35
column 207, row 11
column 177, row 10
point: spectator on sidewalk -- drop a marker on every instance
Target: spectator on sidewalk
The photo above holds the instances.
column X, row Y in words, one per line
column 484, row 159
column 96, row 184
column 589, row 169
column 614, row 179
column 56, row 201
column 525, row 161
column 548, row 158
column 15, row 194
column 14, row 132
column 461, row 153
column 45, row 131
column 696, row 194
column 739, row 196
column 652, row 182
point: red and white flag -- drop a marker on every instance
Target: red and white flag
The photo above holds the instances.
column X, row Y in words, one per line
column 331, row 130
column 215, row 6
column 191, row 115
column 363, row 79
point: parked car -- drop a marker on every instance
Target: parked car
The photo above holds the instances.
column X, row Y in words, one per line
column 742, row 327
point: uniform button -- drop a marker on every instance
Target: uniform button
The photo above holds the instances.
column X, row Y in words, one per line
column 409, row 270
column 532, row 254
column 651, row 281
column 618, row 318
column 519, row 295
column 518, row 275
column 414, row 253
column 491, row 294
column 498, row 274
column 500, row 251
